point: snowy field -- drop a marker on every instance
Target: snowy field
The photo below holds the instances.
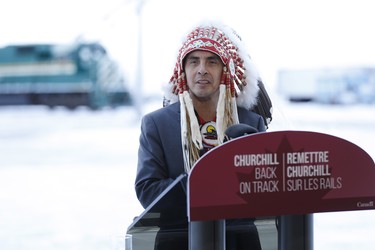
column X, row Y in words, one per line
column 66, row 177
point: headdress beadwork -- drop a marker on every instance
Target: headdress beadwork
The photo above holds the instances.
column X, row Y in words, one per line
column 239, row 85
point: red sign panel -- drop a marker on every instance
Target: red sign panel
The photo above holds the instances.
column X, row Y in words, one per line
column 281, row 173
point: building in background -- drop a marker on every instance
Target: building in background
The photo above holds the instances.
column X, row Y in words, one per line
column 73, row 75
column 331, row 86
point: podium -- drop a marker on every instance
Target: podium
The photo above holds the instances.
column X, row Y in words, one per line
column 279, row 178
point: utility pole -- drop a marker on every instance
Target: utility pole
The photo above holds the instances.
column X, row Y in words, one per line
column 138, row 95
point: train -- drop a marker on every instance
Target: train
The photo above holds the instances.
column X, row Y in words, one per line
column 70, row 75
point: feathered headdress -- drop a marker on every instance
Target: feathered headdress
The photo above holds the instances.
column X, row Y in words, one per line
column 240, row 86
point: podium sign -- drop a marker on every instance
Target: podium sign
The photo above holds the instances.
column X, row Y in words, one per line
column 281, row 173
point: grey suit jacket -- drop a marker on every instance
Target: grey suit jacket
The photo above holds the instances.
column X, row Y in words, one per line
column 160, row 158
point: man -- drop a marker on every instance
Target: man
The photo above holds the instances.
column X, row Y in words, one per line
column 214, row 85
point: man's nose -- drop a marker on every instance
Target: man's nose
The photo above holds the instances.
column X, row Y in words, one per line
column 202, row 69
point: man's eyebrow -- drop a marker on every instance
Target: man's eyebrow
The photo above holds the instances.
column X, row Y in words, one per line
column 213, row 57
column 191, row 57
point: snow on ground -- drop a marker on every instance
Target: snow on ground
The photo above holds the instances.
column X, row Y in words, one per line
column 66, row 177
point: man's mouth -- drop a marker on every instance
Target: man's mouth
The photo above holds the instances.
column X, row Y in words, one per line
column 202, row 82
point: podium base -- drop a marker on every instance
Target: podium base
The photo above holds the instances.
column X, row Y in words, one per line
column 296, row 232
column 207, row 235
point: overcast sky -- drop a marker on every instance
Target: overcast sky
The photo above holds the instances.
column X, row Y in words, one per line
column 278, row 33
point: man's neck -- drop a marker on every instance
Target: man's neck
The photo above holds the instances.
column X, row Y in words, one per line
column 206, row 110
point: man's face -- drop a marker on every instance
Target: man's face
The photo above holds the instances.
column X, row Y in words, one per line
column 203, row 73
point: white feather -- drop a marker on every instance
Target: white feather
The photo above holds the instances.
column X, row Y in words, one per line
column 196, row 136
column 220, row 114
column 184, row 137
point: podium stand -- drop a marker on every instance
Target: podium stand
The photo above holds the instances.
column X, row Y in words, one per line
column 285, row 176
